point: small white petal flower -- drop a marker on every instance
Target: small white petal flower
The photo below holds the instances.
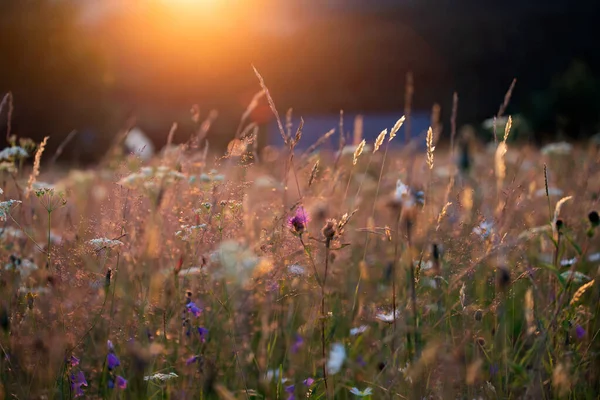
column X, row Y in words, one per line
column 387, row 317
column 5, row 207
column 100, row 243
column 337, row 356
column 575, row 276
column 296, row 269
column 594, row 257
column 560, row 148
column 161, row 377
column 361, row 393
column 484, row 229
column 13, row 152
column 24, row 267
column 568, row 262
column 358, row 330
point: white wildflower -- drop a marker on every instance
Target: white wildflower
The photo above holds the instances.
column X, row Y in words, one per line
column 161, row 377
column 484, row 229
column 358, row 330
column 568, row 262
column 192, row 271
column 5, row 207
column 34, row 290
column 387, row 317
column 425, row 265
column 296, row 269
column 575, row 276
column 187, row 231
column 428, row 282
column 13, row 152
column 594, row 257
column 137, row 142
column 11, row 233
column 405, row 372
column 100, row 243
column 361, row 393
column 236, row 260
column 274, row 373
column 24, row 267
column 561, row 148
column 337, row 356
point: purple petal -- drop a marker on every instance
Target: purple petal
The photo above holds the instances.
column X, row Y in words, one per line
column 74, row 361
column 112, row 361
column 191, row 360
column 580, row 332
column 309, row 381
column 121, row 382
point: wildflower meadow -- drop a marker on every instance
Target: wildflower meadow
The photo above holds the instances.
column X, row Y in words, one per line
column 434, row 268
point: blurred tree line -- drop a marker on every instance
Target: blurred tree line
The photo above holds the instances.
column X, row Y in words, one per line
column 54, row 71
column 58, row 74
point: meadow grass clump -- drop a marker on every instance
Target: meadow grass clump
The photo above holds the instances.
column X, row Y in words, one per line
column 302, row 275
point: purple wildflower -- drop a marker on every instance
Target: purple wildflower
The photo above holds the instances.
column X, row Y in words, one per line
column 308, row 382
column 298, row 222
column 494, row 369
column 191, row 360
column 580, row 332
column 121, row 382
column 297, row 344
column 110, row 345
column 203, row 333
column 193, row 308
column 290, row 391
column 77, row 381
column 361, row 361
column 74, row 361
column 112, row 360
